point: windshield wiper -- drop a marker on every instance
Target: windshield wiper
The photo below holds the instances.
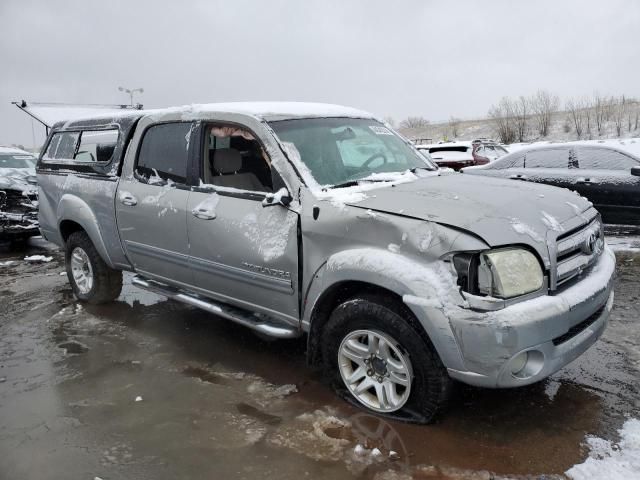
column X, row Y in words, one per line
column 355, row 183
column 429, row 169
column 350, row 183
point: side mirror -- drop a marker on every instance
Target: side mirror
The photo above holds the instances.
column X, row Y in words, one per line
column 281, row 197
column 635, row 171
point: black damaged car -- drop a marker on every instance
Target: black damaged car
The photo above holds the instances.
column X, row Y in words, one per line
column 608, row 177
column 18, row 196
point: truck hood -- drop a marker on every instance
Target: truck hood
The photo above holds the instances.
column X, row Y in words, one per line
column 501, row 212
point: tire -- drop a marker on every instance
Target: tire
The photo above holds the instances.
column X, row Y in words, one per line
column 102, row 284
column 413, row 360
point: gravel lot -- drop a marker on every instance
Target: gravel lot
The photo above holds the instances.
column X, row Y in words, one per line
column 147, row 388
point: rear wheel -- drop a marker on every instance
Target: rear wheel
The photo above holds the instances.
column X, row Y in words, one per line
column 91, row 279
column 376, row 356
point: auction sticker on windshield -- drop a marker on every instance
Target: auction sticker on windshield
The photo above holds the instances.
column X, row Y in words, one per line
column 380, row 130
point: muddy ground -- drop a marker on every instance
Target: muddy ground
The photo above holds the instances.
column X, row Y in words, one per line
column 147, row 388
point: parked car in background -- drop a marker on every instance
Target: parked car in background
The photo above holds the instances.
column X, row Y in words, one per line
column 305, row 219
column 486, row 152
column 18, row 195
column 608, row 177
column 457, row 155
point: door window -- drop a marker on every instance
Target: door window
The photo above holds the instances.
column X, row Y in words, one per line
column 164, row 153
column 547, row 158
column 234, row 158
column 514, row 160
column 605, row 159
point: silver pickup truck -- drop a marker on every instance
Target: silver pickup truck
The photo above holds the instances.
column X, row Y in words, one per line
column 303, row 219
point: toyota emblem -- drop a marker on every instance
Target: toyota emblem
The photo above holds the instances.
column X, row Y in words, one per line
column 590, row 243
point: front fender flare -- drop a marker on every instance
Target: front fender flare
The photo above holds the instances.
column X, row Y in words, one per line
column 409, row 278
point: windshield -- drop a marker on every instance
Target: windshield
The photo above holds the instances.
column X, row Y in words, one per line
column 17, row 161
column 340, row 150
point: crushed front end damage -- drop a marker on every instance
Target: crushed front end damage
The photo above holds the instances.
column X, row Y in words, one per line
column 18, row 209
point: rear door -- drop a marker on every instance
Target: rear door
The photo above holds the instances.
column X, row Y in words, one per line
column 242, row 252
column 550, row 166
column 151, row 203
column 605, row 179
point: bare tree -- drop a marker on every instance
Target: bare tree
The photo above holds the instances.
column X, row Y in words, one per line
column 454, row 126
column 543, row 106
column 521, row 115
column 603, row 109
column 588, row 115
column 576, row 110
column 619, row 111
column 502, row 117
column 390, row 121
column 414, row 122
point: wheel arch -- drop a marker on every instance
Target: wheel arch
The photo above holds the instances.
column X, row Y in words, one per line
column 75, row 215
column 346, row 275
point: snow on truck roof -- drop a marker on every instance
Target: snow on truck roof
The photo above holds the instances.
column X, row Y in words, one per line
column 263, row 110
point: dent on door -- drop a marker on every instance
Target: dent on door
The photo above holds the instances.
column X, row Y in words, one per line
column 244, row 252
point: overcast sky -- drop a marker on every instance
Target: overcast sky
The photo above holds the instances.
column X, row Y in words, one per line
column 394, row 58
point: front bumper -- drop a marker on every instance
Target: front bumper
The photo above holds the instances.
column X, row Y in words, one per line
column 549, row 331
column 18, row 224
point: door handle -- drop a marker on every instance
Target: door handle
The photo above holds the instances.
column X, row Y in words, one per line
column 518, row 177
column 127, row 198
column 584, row 181
column 203, row 213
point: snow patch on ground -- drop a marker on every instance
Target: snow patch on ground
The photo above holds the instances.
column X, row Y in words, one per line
column 613, row 461
column 38, row 258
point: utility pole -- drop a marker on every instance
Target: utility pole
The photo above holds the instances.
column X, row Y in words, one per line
column 131, row 92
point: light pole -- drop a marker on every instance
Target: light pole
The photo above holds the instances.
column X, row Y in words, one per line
column 131, row 92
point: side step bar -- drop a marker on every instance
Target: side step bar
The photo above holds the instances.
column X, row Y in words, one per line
column 234, row 314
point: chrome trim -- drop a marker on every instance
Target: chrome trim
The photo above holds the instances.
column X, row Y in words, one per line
column 259, row 323
column 580, row 249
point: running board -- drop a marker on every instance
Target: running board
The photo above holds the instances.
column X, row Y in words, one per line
column 237, row 315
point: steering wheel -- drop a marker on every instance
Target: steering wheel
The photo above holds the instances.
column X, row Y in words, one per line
column 373, row 157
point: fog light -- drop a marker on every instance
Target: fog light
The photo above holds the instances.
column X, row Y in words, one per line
column 527, row 364
column 519, row 362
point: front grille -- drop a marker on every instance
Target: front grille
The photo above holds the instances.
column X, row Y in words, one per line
column 13, row 201
column 576, row 329
column 578, row 249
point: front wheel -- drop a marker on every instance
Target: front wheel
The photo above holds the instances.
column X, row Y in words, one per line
column 91, row 279
column 376, row 356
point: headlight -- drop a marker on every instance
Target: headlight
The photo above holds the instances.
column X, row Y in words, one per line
column 508, row 272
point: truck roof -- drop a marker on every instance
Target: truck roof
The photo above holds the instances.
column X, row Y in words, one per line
column 269, row 111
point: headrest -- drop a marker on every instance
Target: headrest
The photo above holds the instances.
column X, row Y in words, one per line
column 226, row 160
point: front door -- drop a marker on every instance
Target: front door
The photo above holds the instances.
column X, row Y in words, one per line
column 151, row 205
column 605, row 179
column 242, row 252
column 552, row 166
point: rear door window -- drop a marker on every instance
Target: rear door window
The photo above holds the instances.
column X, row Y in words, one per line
column 604, row 159
column 164, row 153
column 547, row 158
